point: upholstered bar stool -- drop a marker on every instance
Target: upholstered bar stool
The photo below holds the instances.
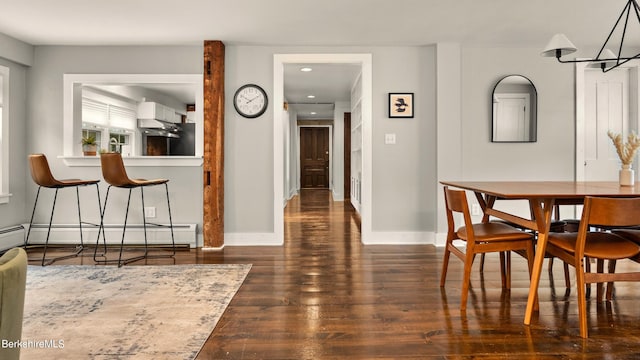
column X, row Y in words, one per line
column 115, row 175
column 41, row 174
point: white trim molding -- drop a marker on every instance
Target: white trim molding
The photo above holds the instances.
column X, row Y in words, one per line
column 252, row 239
column 365, row 61
column 401, row 238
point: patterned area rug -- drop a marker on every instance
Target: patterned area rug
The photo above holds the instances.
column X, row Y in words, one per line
column 132, row 312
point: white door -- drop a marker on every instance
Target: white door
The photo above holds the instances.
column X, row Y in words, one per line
column 511, row 117
column 606, row 108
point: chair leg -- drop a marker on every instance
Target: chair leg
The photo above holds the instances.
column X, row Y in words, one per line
column 101, row 226
column 503, row 271
column 173, row 240
column 445, row 264
column 600, row 286
column 612, row 270
column 33, row 213
column 46, row 242
column 122, row 261
column 144, row 223
column 567, row 278
column 103, row 210
column 582, row 299
column 482, row 262
column 587, row 268
column 508, row 269
column 466, row 279
column 530, row 250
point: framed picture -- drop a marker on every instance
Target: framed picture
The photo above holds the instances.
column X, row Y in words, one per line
column 400, row 105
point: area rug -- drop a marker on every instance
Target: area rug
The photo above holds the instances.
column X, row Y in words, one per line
column 132, row 312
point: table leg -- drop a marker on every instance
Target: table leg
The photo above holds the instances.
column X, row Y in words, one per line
column 542, row 210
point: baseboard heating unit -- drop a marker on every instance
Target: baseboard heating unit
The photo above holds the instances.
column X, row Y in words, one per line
column 184, row 234
column 11, row 236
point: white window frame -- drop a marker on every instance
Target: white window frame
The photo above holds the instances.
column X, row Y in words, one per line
column 4, row 137
column 72, row 133
column 105, row 130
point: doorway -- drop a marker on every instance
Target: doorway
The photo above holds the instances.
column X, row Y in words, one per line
column 314, row 157
column 364, row 89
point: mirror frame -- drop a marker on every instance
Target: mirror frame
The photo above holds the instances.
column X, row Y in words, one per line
column 533, row 114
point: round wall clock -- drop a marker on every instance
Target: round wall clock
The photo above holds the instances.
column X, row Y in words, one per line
column 250, row 101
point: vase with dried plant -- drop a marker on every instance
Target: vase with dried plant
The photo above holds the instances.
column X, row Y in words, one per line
column 626, row 152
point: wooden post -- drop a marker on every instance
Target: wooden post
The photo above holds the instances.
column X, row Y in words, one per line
column 213, row 163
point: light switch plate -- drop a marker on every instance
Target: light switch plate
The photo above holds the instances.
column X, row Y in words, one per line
column 389, row 139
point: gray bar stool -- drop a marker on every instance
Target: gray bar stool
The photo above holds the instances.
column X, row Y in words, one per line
column 41, row 174
column 115, row 175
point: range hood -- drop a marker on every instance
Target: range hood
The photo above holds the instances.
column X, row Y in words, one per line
column 154, row 127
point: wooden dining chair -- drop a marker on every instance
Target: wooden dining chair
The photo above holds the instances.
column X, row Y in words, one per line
column 556, row 225
column 598, row 212
column 480, row 238
column 632, row 234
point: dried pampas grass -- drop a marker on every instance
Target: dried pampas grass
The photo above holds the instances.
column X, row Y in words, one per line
column 626, row 151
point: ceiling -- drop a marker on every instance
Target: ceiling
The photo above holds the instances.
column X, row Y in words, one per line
column 508, row 23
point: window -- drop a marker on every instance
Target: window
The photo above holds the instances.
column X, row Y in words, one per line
column 4, row 135
column 113, row 126
column 74, row 124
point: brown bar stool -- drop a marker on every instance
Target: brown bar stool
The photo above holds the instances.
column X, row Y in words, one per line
column 115, row 175
column 41, row 174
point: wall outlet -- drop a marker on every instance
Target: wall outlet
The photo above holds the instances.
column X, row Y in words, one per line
column 475, row 209
column 150, row 212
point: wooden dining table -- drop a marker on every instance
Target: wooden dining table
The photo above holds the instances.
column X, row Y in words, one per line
column 542, row 196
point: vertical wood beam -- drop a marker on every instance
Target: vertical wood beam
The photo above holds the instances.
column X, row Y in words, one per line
column 213, row 162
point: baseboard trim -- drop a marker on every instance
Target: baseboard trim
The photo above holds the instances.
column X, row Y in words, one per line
column 251, row 239
column 65, row 234
column 376, row 238
column 400, row 238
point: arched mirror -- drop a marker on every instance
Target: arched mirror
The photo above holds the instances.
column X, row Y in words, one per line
column 515, row 103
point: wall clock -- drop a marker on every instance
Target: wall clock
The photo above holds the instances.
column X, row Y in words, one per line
column 250, row 101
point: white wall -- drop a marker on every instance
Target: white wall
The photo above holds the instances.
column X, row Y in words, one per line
column 552, row 156
column 45, row 128
column 403, row 176
column 404, row 205
column 14, row 212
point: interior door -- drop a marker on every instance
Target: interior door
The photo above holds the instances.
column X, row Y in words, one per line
column 511, row 117
column 314, row 157
column 606, row 108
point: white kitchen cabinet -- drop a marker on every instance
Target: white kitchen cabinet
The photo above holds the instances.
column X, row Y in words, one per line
column 157, row 111
column 151, row 110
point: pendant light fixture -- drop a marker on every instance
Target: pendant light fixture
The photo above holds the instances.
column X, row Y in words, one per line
column 606, row 59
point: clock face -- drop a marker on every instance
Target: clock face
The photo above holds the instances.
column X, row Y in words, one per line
column 250, row 101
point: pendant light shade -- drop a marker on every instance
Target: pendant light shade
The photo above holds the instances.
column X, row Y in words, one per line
column 609, row 59
column 559, row 42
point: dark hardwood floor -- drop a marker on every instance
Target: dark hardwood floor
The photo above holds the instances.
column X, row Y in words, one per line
column 324, row 295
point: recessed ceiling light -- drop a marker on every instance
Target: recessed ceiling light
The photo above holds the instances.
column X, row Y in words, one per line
column 311, row 96
column 313, row 113
column 306, row 69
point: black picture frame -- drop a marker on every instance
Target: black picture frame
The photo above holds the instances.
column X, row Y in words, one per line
column 401, row 105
